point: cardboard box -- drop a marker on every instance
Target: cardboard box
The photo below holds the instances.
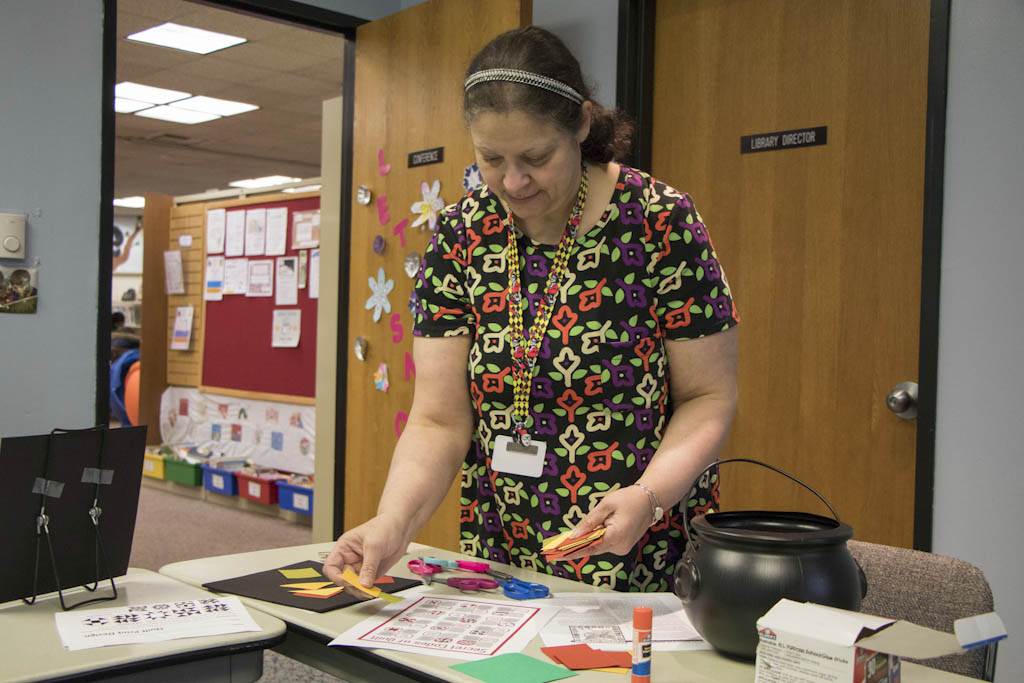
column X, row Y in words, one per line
column 800, row 642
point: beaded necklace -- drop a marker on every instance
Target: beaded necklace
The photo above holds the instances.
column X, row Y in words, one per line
column 525, row 348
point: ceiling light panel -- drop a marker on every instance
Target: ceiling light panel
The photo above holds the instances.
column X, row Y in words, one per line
column 187, row 38
column 123, row 105
column 176, row 115
column 131, row 202
column 265, row 181
column 212, row 105
column 147, row 93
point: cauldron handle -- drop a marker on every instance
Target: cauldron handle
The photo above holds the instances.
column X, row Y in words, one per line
column 689, row 532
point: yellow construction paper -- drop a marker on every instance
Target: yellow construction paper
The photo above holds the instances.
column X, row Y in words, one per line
column 613, row 670
column 560, row 539
column 352, row 578
column 388, row 597
column 307, row 573
column 308, row 586
column 320, row 592
column 553, row 541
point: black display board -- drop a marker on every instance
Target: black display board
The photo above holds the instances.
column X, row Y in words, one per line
column 98, row 468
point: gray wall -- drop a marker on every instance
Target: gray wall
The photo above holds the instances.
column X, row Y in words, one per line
column 979, row 500
column 364, row 9
column 591, row 30
column 50, row 104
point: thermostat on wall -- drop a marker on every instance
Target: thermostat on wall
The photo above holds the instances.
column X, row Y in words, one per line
column 12, row 235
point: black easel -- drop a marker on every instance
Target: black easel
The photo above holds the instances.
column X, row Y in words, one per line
column 48, row 488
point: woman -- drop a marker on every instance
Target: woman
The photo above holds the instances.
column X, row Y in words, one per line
column 586, row 301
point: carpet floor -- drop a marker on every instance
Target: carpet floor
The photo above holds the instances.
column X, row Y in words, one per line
column 172, row 528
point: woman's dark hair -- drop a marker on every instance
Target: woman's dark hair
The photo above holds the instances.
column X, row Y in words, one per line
column 541, row 52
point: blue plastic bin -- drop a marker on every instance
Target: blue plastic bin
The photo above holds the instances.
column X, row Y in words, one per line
column 219, row 481
column 293, row 497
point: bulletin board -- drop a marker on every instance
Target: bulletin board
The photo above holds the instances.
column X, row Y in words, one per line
column 237, row 356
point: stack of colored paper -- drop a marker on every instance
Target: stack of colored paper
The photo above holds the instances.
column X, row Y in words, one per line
column 582, row 656
column 561, row 545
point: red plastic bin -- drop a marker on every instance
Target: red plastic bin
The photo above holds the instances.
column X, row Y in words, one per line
column 259, row 489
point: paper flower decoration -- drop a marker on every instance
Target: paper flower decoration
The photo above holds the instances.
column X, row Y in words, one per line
column 378, row 301
column 380, row 378
column 426, row 210
column 471, row 178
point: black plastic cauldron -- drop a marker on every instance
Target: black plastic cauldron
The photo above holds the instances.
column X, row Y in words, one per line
column 737, row 565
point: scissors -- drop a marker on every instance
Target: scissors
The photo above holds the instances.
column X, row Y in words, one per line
column 426, row 570
column 514, row 588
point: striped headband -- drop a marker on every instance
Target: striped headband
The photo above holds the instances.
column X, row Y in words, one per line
column 527, row 78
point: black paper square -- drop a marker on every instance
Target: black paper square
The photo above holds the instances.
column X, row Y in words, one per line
column 266, row 586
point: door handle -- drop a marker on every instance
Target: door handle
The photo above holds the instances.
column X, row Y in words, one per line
column 902, row 400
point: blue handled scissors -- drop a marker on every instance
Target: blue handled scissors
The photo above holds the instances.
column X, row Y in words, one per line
column 517, row 589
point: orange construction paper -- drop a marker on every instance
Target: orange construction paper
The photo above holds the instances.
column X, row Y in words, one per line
column 320, row 593
column 315, row 585
column 582, row 656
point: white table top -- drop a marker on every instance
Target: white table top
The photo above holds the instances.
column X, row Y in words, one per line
column 31, row 650
column 668, row 667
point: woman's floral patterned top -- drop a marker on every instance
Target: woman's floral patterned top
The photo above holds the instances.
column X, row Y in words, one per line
column 646, row 272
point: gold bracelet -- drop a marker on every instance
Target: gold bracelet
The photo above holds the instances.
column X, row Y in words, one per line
column 656, row 510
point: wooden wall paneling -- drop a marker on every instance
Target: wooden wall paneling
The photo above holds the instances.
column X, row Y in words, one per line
column 184, row 368
column 156, row 219
column 821, row 244
column 408, row 97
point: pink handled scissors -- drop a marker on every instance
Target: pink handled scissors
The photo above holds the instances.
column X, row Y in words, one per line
column 424, row 569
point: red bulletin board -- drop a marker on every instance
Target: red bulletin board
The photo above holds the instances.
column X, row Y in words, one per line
column 237, row 354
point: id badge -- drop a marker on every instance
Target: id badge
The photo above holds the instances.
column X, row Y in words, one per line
column 511, row 458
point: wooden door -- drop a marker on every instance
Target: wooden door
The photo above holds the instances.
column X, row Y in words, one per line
column 822, row 244
column 410, row 67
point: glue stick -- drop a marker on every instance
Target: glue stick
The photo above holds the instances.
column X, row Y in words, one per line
column 642, row 618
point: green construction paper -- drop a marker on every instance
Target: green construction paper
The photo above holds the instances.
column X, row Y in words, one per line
column 514, row 668
column 307, row 573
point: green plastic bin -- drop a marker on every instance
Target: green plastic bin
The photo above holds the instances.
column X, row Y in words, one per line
column 181, row 472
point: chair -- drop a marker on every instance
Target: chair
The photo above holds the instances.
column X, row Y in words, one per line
column 930, row 590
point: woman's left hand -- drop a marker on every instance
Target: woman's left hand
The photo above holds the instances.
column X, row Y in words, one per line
column 625, row 514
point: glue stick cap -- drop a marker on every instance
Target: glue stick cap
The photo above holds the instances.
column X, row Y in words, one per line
column 642, row 618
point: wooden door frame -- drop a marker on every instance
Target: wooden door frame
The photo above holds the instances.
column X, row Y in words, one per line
column 635, row 91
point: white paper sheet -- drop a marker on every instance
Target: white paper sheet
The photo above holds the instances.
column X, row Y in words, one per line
column 181, row 337
column 261, row 278
column 277, row 230
column 450, row 626
column 174, row 277
column 234, row 239
column 287, row 328
column 605, row 621
column 306, row 229
column 212, row 616
column 255, row 232
column 214, row 278
column 314, row 274
column 287, row 292
column 215, row 223
column 236, row 275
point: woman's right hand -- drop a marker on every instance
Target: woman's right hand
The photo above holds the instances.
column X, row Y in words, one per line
column 370, row 549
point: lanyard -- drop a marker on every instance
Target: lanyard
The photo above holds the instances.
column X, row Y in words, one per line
column 525, row 348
